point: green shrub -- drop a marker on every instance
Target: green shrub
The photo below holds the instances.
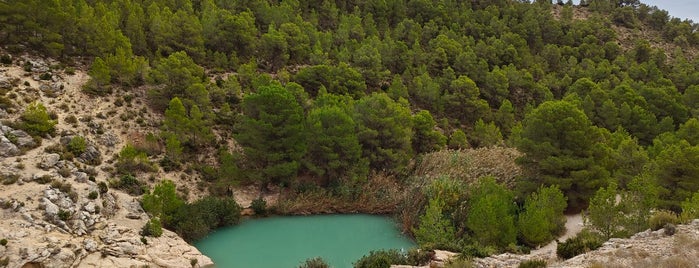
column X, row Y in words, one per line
column 6, row 59
column 152, row 228
column 581, row 243
column 92, row 195
column 70, row 70
column 45, row 76
column 259, row 205
column 77, row 145
column 144, row 240
column 193, row 262
column 195, row 220
column 3, row 242
column 532, row 264
column 385, row 258
column 478, row 250
column 36, row 120
column 316, row 262
column 662, row 217
column 690, row 208
column 64, row 215
column 130, row 184
column 133, row 160
column 102, row 187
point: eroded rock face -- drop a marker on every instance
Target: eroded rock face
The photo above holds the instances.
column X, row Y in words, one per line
column 85, row 239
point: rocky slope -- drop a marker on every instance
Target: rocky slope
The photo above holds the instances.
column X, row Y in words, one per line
column 54, row 214
column 652, row 249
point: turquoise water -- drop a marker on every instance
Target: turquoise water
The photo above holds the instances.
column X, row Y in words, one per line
column 279, row 242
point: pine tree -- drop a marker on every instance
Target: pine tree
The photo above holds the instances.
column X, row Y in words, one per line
column 491, row 214
column 176, row 120
column 385, row 131
column 561, row 148
column 272, row 134
column 425, row 137
column 542, row 218
column 334, row 152
column 434, row 230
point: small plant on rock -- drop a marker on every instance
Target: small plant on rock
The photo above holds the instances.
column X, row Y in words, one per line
column 102, row 187
column 152, row 228
column 77, row 145
column 92, row 195
column 581, row 243
column 63, row 215
column 45, row 76
column 3, row 242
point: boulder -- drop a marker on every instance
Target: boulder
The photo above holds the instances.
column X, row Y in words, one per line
column 110, row 140
column 24, row 140
column 80, row 177
column 90, row 245
column 90, row 207
column 109, row 202
column 49, row 160
column 7, row 82
column 7, row 148
column 51, row 209
column 91, row 156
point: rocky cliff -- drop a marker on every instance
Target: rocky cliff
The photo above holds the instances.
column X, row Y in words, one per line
column 54, row 212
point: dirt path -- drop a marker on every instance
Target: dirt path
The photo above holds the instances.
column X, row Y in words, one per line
column 574, row 224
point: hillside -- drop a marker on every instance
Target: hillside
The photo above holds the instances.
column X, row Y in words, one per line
column 486, row 119
column 37, row 186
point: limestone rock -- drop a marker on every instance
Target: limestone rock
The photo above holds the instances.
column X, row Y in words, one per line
column 109, row 201
column 90, row 207
column 24, row 140
column 7, row 148
column 91, row 156
column 51, row 209
column 110, row 140
column 49, row 160
column 80, row 177
column 7, row 82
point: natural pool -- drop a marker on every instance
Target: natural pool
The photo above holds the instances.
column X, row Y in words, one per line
column 279, row 242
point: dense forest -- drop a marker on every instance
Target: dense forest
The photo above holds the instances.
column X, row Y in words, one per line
column 601, row 99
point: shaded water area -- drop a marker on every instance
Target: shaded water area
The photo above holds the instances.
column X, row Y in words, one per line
column 279, row 242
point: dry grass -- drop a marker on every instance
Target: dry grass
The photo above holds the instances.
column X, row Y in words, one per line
column 470, row 165
column 380, row 195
